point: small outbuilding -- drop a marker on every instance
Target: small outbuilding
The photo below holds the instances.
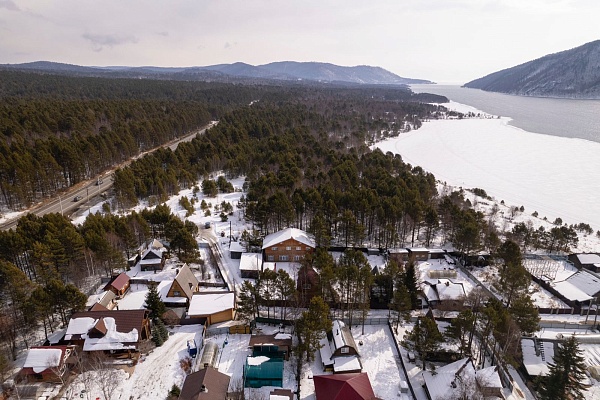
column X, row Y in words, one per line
column 118, row 284
column 344, row 387
column 215, row 307
column 205, row 384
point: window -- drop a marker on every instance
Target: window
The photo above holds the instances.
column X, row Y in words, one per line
column 296, row 258
column 307, row 248
column 306, row 286
column 344, row 350
column 283, row 258
column 176, row 293
column 298, row 248
column 288, row 248
column 274, row 248
column 270, row 258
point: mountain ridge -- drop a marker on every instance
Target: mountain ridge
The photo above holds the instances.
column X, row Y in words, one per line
column 281, row 70
column 573, row 73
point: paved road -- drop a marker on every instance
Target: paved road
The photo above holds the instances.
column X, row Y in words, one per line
column 88, row 193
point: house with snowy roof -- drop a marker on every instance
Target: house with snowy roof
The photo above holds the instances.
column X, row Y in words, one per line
column 580, row 288
column 355, row 386
column 213, row 306
column 589, row 261
column 47, row 364
column 251, row 264
column 287, row 245
column 537, row 353
column 460, row 379
column 118, row 284
column 437, row 291
column 339, row 352
column 119, row 332
column 152, row 260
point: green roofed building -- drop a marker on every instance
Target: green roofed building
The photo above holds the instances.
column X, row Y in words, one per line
column 263, row 371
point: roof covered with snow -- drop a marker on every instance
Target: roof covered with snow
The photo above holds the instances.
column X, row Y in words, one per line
column 251, row 261
column 586, row 282
column 40, row 359
column 440, row 384
column 286, row 234
column 210, row 303
column 588, row 258
column 571, row 292
column 112, row 339
column 342, row 336
column 536, row 362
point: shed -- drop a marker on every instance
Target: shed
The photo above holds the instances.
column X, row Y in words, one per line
column 418, row 253
column 250, row 265
column 235, row 250
column 215, row 307
column 263, row 371
column 118, row 284
column 205, row 384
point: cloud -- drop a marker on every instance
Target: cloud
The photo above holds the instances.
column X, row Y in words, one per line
column 99, row 42
column 9, row 5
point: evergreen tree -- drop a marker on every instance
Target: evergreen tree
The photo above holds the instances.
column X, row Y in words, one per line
column 312, row 326
column 158, row 335
column 247, row 306
column 401, row 303
column 566, row 373
column 460, row 329
column 424, row 338
column 410, row 282
column 154, row 303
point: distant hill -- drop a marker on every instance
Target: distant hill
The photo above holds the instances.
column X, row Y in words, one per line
column 572, row 73
column 285, row 70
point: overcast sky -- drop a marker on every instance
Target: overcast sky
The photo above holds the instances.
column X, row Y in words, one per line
column 441, row 40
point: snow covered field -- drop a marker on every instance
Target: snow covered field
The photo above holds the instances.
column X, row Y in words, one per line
column 552, row 175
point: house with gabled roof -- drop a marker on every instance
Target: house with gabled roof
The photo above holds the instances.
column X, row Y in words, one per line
column 152, row 260
column 118, row 331
column 106, row 301
column 288, row 245
column 589, row 261
column 47, row 364
column 355, row 386
column 460, row 379
column 339, row 352
column 119, row 284
column 205, row 384
column 214, row 306
column 184, row 285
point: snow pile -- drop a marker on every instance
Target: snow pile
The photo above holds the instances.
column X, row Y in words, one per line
column 257, row 360
column 112, row 340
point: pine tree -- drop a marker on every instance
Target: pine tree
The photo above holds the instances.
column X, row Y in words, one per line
column 424, row 338
column 459, row 330
column 410, row 282
column 157, row 335
column 154, row 303
column 566, row 373
column 247, row 303
column 312, row 326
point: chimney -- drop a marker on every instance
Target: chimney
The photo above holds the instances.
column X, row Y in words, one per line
column 203, row 389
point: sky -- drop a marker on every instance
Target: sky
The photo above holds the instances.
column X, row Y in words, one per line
column 446, row 41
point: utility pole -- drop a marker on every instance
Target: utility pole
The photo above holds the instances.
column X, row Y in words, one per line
column 60, row 202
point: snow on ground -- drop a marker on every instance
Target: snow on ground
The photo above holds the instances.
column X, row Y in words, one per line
column 548, row 174
column 380, row 360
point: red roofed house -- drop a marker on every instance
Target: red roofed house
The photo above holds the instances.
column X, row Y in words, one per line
column 344, row 387
column 118, row 284
column 46, row 364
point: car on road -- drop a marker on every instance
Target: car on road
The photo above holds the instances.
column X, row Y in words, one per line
column 99, row 182
column 77, row 198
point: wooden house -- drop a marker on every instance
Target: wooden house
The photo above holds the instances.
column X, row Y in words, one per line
column 398, row 255
column 279, row 342
column 418, row 253
column 47, row 364
column 184, row 285
column 339, row 352
column 205, row 384
column 288, row 245
column 152, row 260
column 119, row 284
column 215, row 307
column 308, row 283
column 116, row 332
column 589, row 261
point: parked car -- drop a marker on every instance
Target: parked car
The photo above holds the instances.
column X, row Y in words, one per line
column 207, row 225
column 99, row 182
column 77, row 198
